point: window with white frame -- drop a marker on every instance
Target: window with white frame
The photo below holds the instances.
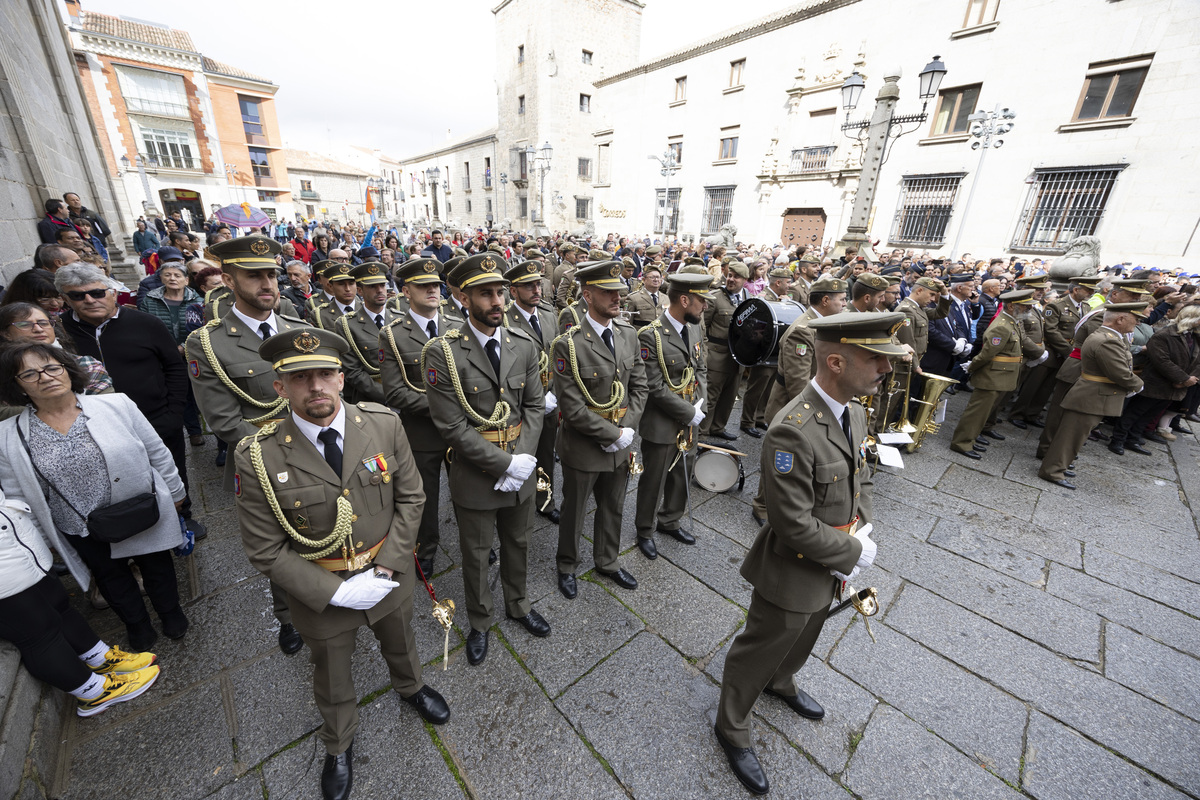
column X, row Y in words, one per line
column 583, row 208
column 585, row 103
column 150, row 92
column 587, row 56
column 1064, row 203
column 736, row 68
column 980, row 12
column 170, row 143
column 585, row 169
column 603, row 164
column 681, row 89
column 923, row 213
column 954, row 106
column 1111, row 88
column 718, row 208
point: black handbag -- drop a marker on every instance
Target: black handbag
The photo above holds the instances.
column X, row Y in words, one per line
column 112, row 523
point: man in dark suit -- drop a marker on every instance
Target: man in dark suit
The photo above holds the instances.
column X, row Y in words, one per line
column 950, row 338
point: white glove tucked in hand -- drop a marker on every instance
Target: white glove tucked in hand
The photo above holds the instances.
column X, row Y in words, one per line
column 623, row 441
column 551, row 403
column 1033, row 362
column 508, row 483
column 865, row 559
column 362, row 591
column 699, row 416
column 521, row 466
column 961, row 346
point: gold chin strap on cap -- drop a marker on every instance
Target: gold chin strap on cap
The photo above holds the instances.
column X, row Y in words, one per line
column 342, row 526
column 272, row 408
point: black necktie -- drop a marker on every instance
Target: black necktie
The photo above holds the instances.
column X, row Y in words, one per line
column 686, row 344
column 537, row 326
column 348, row 309
column 654, row 297
column 431, row 329
column 493, row 354
column 333, row 453
column 264, row 330
column 606, row 335
column 846, row 427
column 379, row 320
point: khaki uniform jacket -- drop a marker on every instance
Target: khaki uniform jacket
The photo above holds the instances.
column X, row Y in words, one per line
column 814, row 482
column 717, row 317
column 799, row 291
column 916, row 332
column 1089, row 323
column 326, row 315
column 513, row 318
column 1061, row 317
column 668, row 413
column 641, row 306
column 307, row 490
column 218, row 301
column 362, row 366
column 797, row 357
column 1032, row 332
column 565, row 289
column 236, row 348
column 477, row 463
column 998, row 364
column 582, row 433
column 405, row 337
column 572, row 315
column 1107, row 376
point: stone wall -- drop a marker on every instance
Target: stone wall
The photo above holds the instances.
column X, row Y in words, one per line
column 48, row 145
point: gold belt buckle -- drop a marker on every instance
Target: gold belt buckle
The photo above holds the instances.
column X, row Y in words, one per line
column 502, row 437
column 359, row 561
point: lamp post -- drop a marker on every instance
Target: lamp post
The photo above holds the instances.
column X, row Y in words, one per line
column 669, row 167
column 147, row 204
column 542, row 162
column 504, row 195
column 986, row 128
column 433, row 175
column 876, row 135
column 232, row 171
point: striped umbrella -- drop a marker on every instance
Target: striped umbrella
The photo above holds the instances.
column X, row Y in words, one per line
column 243, row 215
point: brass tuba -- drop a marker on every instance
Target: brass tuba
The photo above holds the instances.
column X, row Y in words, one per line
column 935, row 385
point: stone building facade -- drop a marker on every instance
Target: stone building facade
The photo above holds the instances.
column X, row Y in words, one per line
column 179, row 131
column 326, row 189
column 466, row 192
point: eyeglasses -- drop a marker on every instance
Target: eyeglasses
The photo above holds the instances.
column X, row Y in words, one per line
column 98, row 294
column 32, row 375
column 26, row 324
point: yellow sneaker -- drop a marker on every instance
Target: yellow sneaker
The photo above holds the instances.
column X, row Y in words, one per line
column 119, row 687
column 118, row 661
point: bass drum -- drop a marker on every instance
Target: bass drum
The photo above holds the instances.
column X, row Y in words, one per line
column 718, row 471
column 757, row 328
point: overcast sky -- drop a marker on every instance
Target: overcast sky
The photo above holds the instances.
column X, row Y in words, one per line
column 393, row 75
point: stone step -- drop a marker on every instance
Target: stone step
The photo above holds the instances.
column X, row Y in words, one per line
column 31, row 715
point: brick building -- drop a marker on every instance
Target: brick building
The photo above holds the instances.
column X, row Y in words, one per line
column 179, row 131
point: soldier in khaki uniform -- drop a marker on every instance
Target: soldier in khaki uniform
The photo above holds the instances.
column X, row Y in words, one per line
column 401, row 343
column 328, row 500
column 647, row 303
column 345, row 296
column 993, row 372
column 232, row 383
column 808, row 269
column 673, row 355
column 916, row 333
column 361, row 329
column 722, row 369
column 600, row 384
column 817, row 532
column 1105, row 379
column 484, row 385
column 217, row 302
column 1060, row 319
column 779, row 281
column 527, row 313
column 564, row 274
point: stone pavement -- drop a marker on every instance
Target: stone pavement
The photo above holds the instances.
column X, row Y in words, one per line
column 1032, row 642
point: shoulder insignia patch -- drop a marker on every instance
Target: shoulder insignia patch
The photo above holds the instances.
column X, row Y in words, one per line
column 801, row 349
column 1049, row 312
column 996, row 340
column 431, row 376
column 783, row 462
column 381, row 355
column 645, row 353
column 194, row 368
column 560, row 365
column 237, row 485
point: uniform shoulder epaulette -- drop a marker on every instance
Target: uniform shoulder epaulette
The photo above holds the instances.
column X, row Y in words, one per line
column 650, row 326
column 264, row 432
column 213, row 323
column 296, row 320
column 520, row 333
column 452, row 334
column 622, row 321
column 397, row 321
column 374, row 408
column 801, row 414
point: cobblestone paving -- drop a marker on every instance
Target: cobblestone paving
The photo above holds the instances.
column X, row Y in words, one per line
column 1032, row 642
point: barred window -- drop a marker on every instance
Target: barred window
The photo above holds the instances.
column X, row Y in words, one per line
column 583, row 207
column 666, row 211
column 718, row 208
column 1062, row 204
column 926, row 202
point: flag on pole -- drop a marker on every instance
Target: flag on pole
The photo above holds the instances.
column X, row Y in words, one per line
column 370, row 204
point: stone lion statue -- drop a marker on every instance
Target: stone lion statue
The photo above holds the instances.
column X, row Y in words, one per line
column 588, row 230
column 724, row 236
column 1082, row 258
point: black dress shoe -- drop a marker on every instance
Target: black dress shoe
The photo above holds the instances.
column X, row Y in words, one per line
column 566, row 585
column 1063, row 483
column 759, row 521
column 1137, row 448
column 1037, row 423
column 534, row 623
column 755, row 432
column 801, row 703
column 968, row 454
column 1097, row 436
column 648, row 547
column 477, row 644
column 1017, row 422
column 338, row 775
column 1116, row 449
column 726, row 435
column 620, row 578
column 60, row 568
column 493, row 556
column 426, row 565
column 289, row 639
column 761, row 425
column 221, row 457
column 979, row 448
column 999, row 437
column 983, row 442
column 1191, row 418
column 550, row 514
column 744, row 763
column 1070, row 473
column 965, row 388
column 432, row 707
column 1180, row 428
column 679, row 534
column 197, row 528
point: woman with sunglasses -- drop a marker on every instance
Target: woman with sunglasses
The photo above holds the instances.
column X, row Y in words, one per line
column 68, row 454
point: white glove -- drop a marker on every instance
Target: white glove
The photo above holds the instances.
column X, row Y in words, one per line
column 960, row 346
column 847, row 578
column 699, row 414
column 507, row 483
column 551, row 403
column 865, row 559
column 1033, row 362
column 623, row 441
column 362, row 591
column 521, row 466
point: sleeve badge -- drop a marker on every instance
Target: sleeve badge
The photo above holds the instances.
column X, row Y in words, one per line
column 194, row 368
column 645, row 352
column 237, row 485
column 560, row 365
column 431, row 376
column 996, row 340
column 783, row 462
column 801, row 349
column 381, row 355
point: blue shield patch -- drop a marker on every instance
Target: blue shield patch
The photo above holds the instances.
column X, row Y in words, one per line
column 381, row 355
column 194, row 368
column 783, row 462
column 645, row 353
column 431, row 376
column 237, row 485
column 560, row 365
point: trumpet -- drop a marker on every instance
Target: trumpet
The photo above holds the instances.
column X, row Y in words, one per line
column 935, row 385
column 903, row 425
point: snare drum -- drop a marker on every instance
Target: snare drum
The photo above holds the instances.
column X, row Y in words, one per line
column 718, row 471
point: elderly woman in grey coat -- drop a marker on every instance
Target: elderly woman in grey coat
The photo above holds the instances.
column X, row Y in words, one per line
column 68, row 454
